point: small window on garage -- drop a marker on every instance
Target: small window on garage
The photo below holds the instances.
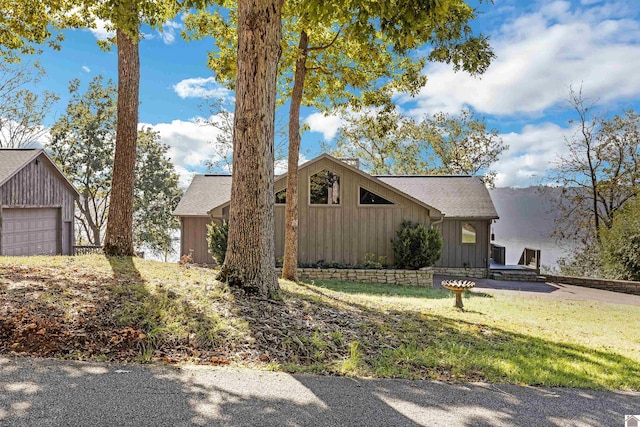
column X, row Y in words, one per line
column 468, row 233
column 370, row 198
column 324, row 188
column 281, row 197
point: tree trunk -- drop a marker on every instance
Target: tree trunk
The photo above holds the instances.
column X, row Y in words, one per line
column 290, row 264
column 250, row 257
column 119, row 236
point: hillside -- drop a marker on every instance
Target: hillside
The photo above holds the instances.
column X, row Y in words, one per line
column 527, row 219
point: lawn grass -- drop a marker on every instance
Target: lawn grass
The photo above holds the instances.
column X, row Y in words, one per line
column 526, row 339
column 133, row 310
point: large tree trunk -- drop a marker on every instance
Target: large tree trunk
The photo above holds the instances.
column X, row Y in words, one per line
column 250, row 258
column 290, row 264
column 119, row 236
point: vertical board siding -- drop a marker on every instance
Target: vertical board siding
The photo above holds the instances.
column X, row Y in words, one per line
column 194, row 234
column 40, row 185
column 347, row 232
column 456, row 254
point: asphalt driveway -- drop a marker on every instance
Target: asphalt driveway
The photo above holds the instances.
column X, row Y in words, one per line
column 557, row 291
column 35, row 392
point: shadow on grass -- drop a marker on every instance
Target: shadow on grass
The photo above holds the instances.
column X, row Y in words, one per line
column 410, row 344
column 179, row 323
column 124, row 315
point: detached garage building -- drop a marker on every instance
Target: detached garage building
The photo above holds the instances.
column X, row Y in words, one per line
column 36, row 205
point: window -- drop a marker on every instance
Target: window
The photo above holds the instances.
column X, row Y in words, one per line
column 324, row 188
column 369, row 198
column 468, row 233
column 281, row 197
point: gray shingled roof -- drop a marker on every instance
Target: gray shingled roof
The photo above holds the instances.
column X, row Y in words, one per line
column 12, row 160
column 455, row 196
column 205, row 193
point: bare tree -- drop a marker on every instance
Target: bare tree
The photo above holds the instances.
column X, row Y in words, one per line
column 600, row 172
column 21, row 110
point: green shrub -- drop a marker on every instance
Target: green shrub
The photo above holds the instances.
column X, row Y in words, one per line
column 217, row 240
column 621, row 244
column 416, row 246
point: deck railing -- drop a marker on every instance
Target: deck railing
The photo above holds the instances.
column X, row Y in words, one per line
column 530, row 258
column 86, row 250
column 498, row 254
column 90, row 249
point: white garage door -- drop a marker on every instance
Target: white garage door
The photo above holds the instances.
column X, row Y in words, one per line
column 29, row 231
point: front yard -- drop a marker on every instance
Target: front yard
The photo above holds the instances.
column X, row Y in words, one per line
column 92, row 307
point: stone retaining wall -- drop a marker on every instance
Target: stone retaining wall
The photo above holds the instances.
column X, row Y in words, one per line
column 391, row 277
column 624, row 286
column 478, row 273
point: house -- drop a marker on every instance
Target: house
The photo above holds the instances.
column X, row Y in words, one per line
column 36, row 205
column 345, row 214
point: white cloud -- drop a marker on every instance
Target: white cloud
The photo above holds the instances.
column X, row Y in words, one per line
column 102, row 30
column 531, row 154
column 86, row 69
column 168, row 33
column 538, row 56
column 327, row 125
column 201, row 87
column 281, row 165
column 191, row 145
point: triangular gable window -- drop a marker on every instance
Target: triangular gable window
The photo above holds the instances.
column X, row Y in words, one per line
column 281, row 197
column 369, row 198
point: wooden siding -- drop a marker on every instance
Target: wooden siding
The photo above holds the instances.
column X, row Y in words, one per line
column 39, row 184
column 193, row 239
column 345, row 233
column 458, row 254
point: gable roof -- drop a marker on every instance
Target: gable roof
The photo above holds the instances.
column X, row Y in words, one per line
column 454, row 196
column 12, row 160
column 348, row 164
column 204, row 193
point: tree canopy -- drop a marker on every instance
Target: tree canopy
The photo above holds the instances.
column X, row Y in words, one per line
column 390, row 143
column 356, row 53
column 601, row 170
column 82, row 143
column 22, row 110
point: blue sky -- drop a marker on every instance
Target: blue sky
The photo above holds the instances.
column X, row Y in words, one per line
column 542, row 47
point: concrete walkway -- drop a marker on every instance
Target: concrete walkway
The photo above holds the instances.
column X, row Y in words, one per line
column 557, row 291
column 37, row 392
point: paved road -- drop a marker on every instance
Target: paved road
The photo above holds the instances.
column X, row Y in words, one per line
column 556, row 291
column 36, row 392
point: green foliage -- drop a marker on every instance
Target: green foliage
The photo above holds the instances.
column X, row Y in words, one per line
column 388, row 142
column 600, row 172
column 82, row 144
column 462, row 144
column 217, row 236
column 22, row 111
column 26, row 24
column 586, row 261
column 370, row 261
column 621, row 244
column 156, row 195
column 356, row 51
column 416, row 246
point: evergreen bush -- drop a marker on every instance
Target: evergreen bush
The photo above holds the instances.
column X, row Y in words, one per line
column 217, row 239
column 416, row 246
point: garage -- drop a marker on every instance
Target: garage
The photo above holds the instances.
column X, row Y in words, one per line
column 30, row 231
column 37, row 205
